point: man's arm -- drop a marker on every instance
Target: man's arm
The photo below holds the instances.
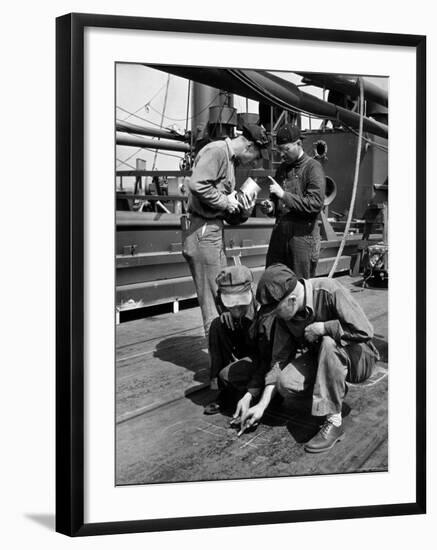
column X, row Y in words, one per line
column 261, row 363
column 254, row 414
column 209, row 170
column 350, row 323
column 284, row 350
column 311, row 201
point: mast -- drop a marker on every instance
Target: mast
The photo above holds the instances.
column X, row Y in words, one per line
column 162, row 117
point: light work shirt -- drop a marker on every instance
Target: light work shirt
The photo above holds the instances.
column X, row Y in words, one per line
column 212, row 180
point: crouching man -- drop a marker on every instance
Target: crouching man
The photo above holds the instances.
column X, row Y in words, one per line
column 320, row 317
column 239, row 350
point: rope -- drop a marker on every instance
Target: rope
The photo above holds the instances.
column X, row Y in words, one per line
column 137, row 116
column 355, row 185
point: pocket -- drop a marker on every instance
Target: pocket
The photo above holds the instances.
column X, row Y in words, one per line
column 313, row 244
column 210, row 234
column 189, row 245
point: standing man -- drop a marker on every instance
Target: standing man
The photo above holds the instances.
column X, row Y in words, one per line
column 319, row 317
column 298, row 192
column 211, row 199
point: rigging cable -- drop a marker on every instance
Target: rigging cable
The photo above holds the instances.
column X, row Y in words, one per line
column 162, row 117
column 137, row 116
column 130, row 156
column 147, row 104
column 370, row 141
column 192, row 116
column 355, row 185
column 126, row 163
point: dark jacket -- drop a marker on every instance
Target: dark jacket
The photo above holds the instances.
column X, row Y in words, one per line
column 304, row 184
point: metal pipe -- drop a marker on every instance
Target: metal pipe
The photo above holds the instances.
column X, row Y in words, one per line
column 347, row 85
column 133, row 141
column 122, row 126
column 268, row 88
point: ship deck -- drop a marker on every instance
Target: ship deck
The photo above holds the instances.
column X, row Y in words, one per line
column 162, row 434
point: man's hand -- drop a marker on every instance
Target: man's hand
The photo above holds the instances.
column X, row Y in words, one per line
column 246, row 204
column 267, row 207
column 227, row 320
column 314, row 332
column 242, row 408
column 251, row 418
column 233, row 204
column 276, row 189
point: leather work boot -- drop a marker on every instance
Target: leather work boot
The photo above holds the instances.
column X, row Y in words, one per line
column 325, row 439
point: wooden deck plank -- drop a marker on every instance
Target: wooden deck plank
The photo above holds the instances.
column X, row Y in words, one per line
column 163, row 358
column 179, row 443
column 159, row 326
column 160, row 380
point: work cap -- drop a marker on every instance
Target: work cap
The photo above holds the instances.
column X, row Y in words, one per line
column 235, row 286
column 276, row 282
column 288, row 134
column 258, row 136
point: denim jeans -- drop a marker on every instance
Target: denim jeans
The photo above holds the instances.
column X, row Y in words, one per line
column 297, row 245
column 324, row 371
column 203, row 249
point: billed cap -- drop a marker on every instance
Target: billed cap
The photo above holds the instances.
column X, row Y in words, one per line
column 276, row 283
column 258, row 136
column 288, row 134
column 235, row 286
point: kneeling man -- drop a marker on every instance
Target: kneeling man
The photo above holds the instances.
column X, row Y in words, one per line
column 239, row 345
column 318, row 315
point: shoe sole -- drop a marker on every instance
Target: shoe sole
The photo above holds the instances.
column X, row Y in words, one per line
column 325, row 449
column 210, row 412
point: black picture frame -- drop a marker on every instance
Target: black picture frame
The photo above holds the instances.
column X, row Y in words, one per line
column 70, row 273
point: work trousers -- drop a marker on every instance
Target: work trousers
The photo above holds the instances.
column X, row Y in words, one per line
column 297, row 245
column 203, row 248
column 321, row 373
column 324, row 371
column 229, row 348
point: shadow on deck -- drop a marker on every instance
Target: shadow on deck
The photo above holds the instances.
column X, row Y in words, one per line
column 162, row 434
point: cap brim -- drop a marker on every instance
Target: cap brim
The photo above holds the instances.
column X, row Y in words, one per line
column 267, row 309
column 237, row 299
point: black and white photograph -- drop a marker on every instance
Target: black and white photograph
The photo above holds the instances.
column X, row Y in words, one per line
column 251, row 273
column 218, row 257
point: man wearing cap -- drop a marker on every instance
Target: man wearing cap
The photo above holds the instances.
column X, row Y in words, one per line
column 235, row 350
column 212, row 199
column 298, row 193
column 322, row 340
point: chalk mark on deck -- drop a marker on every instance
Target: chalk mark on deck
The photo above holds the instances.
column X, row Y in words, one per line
column 207, row 431
column 249, row 443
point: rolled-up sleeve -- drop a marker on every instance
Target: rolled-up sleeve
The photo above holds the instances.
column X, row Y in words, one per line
column 210, row 169
column 351, row 323
column 311, row 200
